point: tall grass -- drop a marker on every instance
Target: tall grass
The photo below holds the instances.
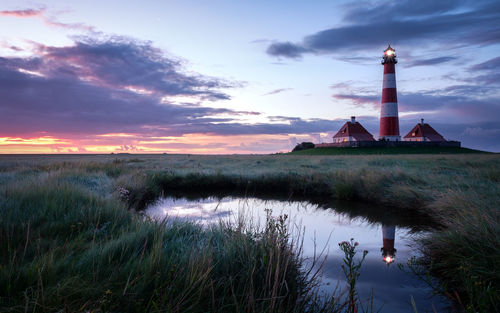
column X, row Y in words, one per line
column 465, row 254
column 64, row 247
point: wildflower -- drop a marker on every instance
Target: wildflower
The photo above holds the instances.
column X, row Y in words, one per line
column 124, row 193
column 108, row 292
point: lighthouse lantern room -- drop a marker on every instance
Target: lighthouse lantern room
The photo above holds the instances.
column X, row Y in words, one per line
column 389, row 121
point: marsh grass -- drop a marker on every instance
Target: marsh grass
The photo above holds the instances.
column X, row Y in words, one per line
column 65, row 247
column 465, row 254
column 68, row 241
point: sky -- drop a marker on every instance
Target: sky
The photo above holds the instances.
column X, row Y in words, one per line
column 224, row 77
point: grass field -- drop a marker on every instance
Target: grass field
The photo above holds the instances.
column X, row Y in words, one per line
column 68, row 242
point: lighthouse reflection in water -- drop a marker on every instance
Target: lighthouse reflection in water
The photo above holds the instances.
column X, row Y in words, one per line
column 388, row 250
column 324, row 228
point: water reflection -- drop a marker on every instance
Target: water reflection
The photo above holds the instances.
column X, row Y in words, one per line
column 388, row 250
column 205, row 211
column 324, row 229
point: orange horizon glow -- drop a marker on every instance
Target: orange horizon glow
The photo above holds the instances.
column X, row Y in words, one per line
column 196, row 143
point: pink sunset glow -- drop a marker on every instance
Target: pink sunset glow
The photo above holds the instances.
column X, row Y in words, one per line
column 133, row 143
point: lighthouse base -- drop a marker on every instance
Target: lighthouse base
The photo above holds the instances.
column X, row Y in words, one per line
column 390, row 138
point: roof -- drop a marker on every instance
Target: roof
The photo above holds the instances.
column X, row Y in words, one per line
column 425, row 130
column 355, row 130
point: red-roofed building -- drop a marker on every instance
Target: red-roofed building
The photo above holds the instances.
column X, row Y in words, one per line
column 352, row 131
column 423, row 132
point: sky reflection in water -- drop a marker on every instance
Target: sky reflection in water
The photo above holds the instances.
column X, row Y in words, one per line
column 324, row 229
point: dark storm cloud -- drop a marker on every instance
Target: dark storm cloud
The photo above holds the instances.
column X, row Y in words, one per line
column 63, row 105
column 121, row 62
column 286, row 49
column 118, row 85
column 369, row 26
column 84, row 89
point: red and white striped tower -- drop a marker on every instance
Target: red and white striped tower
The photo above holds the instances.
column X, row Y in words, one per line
column 389, row 121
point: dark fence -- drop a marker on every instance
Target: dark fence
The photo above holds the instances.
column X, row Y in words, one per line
column 390, row 144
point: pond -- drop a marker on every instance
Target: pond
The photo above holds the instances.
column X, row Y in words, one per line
column 388, row 243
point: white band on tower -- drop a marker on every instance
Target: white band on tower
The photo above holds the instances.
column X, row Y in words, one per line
column 389, row 81
column 388, row 232
column 389, row 109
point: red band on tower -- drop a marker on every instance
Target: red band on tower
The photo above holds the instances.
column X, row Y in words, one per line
column 389, row 126
column 389, row 95
column 389, row 68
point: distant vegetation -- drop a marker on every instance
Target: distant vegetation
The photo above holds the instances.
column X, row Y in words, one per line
column 303, row 146
column 68, row 242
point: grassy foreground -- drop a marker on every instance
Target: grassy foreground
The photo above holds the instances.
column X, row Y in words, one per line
column 67, row 241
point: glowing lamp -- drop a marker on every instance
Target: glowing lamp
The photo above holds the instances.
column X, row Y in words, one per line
column 389, row 52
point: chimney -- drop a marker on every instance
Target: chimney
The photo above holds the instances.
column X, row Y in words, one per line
column 422, row 121
column 353, row 119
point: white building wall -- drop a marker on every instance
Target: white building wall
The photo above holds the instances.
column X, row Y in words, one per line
column 344, row 139
column 417, row 139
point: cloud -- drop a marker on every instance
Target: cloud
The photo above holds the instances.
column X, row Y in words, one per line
column 359, row 100
column 120, row 85
column 487, row 73
column 52, row 21
column 285, row 125
column 273, row 92
column 432, row 61
column 286, row 49
column 99, row 86
column 121, row 62
column 368, row 26
column 457, row 103
column 482, row 136
column 23, row 13
column 490, row 65
column 480, row 131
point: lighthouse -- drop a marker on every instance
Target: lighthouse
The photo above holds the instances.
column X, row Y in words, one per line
column 388, row 251
column 389, row 121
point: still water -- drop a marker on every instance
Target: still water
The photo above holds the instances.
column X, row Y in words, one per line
column 387, row 243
